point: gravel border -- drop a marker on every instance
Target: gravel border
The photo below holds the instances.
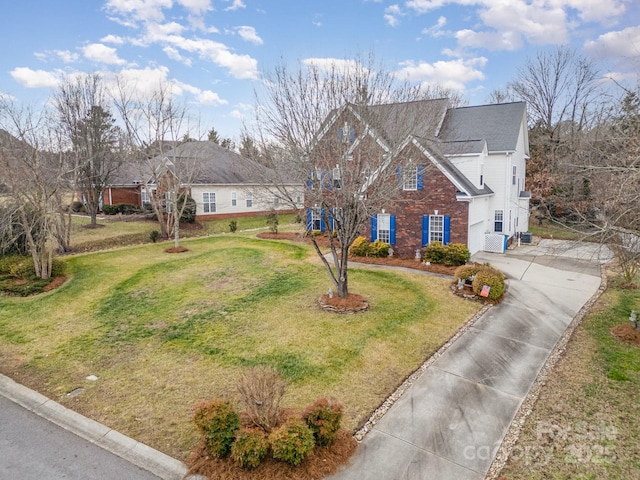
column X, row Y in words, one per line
column 513, row 433
column 391, row 399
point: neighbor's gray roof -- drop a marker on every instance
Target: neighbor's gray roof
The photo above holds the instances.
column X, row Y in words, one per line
column 215, row 164
column 498, row 124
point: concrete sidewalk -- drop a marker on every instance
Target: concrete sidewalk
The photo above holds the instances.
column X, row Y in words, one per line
column 451, row 421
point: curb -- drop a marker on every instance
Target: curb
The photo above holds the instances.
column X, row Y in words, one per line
column 137, row 453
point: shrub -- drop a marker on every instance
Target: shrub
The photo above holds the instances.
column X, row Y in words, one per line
column 379, row 249
column 189, row 211
column 323, row 418
column 123, row 208
column 261, row 391
column 77, row 206
column 233, row 226
column 360, row 247
column 434, row 253
column 292, row 442
column 456, row 254
column 249, row 448
column 465, row 272
column 58, row 267
column 272, row 221
column 491, row 277
column 154, row 235
column 8, row 261
column 218, row 422
column 23, row 268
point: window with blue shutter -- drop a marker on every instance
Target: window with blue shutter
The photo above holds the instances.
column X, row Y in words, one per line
column 352, row 134
column 420, row 178
column 447, row 231
column 374, row 228
column 425, row 230
column 399, row 176
column 392, row 230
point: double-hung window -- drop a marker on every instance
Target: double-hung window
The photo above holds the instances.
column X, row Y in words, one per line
column 337, row 177
column 316, row 219
column 249, row 199
column 208, row 202
column 384, row 227
column 436, row 228
column 498, row 221
column 234, row 199
column 410, row 178
column 144, row 196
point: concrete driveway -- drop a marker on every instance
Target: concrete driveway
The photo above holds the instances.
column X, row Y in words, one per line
column 451, row 421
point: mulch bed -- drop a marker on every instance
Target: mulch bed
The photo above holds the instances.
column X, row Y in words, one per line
column 176, row 249
column 353, row 303
column 627, row 334
column 321, row 462
column 55, row 283
column 323, row 241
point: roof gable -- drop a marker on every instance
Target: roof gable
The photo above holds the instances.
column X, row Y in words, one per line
column 499, row 125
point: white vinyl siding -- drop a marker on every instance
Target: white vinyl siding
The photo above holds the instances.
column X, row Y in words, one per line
column 249, row 199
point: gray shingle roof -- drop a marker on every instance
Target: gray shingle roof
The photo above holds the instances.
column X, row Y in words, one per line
column 498, row 124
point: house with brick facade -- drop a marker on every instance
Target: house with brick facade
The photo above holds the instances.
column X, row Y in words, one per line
column 459, row 171
column 223, row 183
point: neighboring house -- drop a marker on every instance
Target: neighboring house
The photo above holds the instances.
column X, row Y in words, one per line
column 460, row 171
column 223, row 183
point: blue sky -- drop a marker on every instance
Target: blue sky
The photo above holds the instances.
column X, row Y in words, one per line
column 215, row 51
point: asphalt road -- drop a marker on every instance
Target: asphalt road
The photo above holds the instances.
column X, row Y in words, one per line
column 33, row 448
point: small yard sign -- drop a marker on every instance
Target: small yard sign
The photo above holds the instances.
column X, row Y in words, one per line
column 485, row 291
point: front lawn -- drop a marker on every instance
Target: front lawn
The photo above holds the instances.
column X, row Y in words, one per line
column 161, row 331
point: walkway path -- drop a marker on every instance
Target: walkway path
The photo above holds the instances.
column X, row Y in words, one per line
column 451, row 421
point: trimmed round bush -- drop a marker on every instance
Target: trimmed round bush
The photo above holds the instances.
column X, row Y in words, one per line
column 249, row 448
column 379, row 249
column 434, row 253
column 491, row 277
column 218, row 422
column 360, row 247
column 292, row 441
column 456, row 254
column 323, row 418
column 58, row 267
column 465, row 272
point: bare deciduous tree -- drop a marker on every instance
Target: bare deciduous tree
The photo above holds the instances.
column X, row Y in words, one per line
column 349, row 177
column 91, row 133
column 154, row 124
column 33, row 170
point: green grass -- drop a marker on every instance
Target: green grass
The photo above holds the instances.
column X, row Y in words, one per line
column 162, row 331
column 585, row 423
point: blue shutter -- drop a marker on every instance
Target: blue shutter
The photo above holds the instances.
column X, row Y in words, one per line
column 309, row 220
column 420, row 179
column 352, row 134
column 374, row 228
column 309, row 183
column 446, row 237
column 332, row 222
column 340, row 133
column 399, row 176
column 322, row 220
column 425, row 230
column 392, row 229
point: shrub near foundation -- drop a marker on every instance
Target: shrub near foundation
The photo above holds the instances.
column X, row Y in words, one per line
column 323, row 418
column 218, row 422
column 360, row 247
column 292, row 442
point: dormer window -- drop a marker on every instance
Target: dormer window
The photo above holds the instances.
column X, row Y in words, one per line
column 346, row 133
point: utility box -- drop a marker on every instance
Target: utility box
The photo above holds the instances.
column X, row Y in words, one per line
column 526, row 237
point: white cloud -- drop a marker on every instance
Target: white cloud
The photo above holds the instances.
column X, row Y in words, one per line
column 436, row 30
column 115, row 39
column 132, row 11
column 597, row 10
column 235, row 5
column 66, row 56
column 249, row 34
column 341, row 65
column 7, row 98
column 97, row 52
column 392, row 14
column 207, row 97
column 157, row 32
column 621, row 44
column 174, row 54
column 197, row 7
column 143, row 81
column 239, row 66
column 448, row 74
column 489, row 40
column 35, row 78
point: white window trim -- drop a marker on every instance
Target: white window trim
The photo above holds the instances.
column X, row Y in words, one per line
column 249, row 199
column 410, row 177
column 384, row 227
column 499, row 213
column 209, row 206
column 436, row 234
column 234, row 199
